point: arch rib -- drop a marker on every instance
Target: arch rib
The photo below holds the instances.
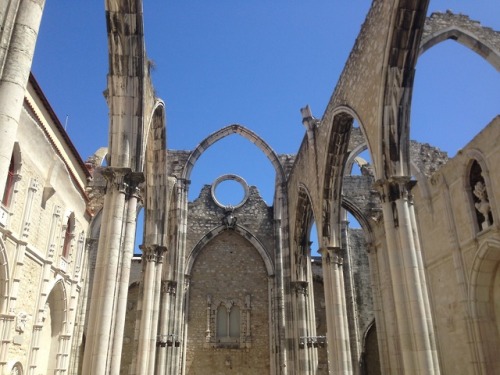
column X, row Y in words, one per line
column 482, row 40
column 243, row 232
column 245, row 133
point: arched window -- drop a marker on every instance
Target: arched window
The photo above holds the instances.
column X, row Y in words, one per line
column 480, row 198
column 68, row 236
column 221, row 322
column 9, row 185
column 228, row 324
column 234, row 322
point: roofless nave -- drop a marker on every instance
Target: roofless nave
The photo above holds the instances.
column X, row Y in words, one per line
column 226, row 289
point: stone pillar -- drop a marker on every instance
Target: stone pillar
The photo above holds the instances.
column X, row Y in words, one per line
column 168, row 291
column 311, row 314
column 152, row 254
column 415, row 334
column 149, row 259
column 14, row 77
column 379, row 310
column 174, row 354
column 104, row 296
column 123, row 283
column 284, row 307
column 338, row 346
column 156, row 307
column 299, row 289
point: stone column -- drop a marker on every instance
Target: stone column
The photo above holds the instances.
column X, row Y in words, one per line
column 14, row 77
column 415, row 334
column 174, row 354
column 123, row 283
column 284, row 308
column 311, row 314
column 104, row 296
column 156, row 307
column 149, row 258
column 338, row 346
column 168, row 289
column 299, row 289
column 379, row 309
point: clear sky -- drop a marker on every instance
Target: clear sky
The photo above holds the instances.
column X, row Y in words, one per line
column 255, row 63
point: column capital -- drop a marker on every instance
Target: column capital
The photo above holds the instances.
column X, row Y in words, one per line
column 394, row 188
column 169, row 287
column 153, row 253
column 332, row 255
column 301, row 287
column 116, row 177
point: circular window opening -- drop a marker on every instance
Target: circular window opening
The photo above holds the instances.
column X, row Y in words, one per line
column 230, row 191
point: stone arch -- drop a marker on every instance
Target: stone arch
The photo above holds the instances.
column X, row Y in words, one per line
column 370, row 356
column 4, row 279
column 154, row 169
column 444, row 26
column 353, row 157
column 155, row 138
column 14, row 368
column 334, row 164
column 54, row 325
column 484, row 302
column 401, row 53
column 245, row 133
column 304, row 214
column 243, row 232
column 361, row 217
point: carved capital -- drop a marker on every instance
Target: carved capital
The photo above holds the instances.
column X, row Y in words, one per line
column 332, row 255
column 394, row 188
column 153, row 253
column 148, row 253
column 169, row 287
column 300, row 287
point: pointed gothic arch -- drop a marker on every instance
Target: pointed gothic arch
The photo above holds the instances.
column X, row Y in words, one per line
column 54, row 325
column 155, row 177
column 334, row 164
column 448, row 26
column 244, row 233
column 484, row 302
column 245, row 133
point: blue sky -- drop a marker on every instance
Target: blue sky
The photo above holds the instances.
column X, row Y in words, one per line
column 255, row 63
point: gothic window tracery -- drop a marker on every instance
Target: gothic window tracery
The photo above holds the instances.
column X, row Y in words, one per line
column 228, row 324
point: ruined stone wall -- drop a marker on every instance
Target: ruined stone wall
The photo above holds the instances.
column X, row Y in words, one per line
column 204, row 215
column 360, row 270
column 483, row 40
column 460, row 273
column 228, row 268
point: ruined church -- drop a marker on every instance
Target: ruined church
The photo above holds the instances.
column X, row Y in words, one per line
column 235, row 289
